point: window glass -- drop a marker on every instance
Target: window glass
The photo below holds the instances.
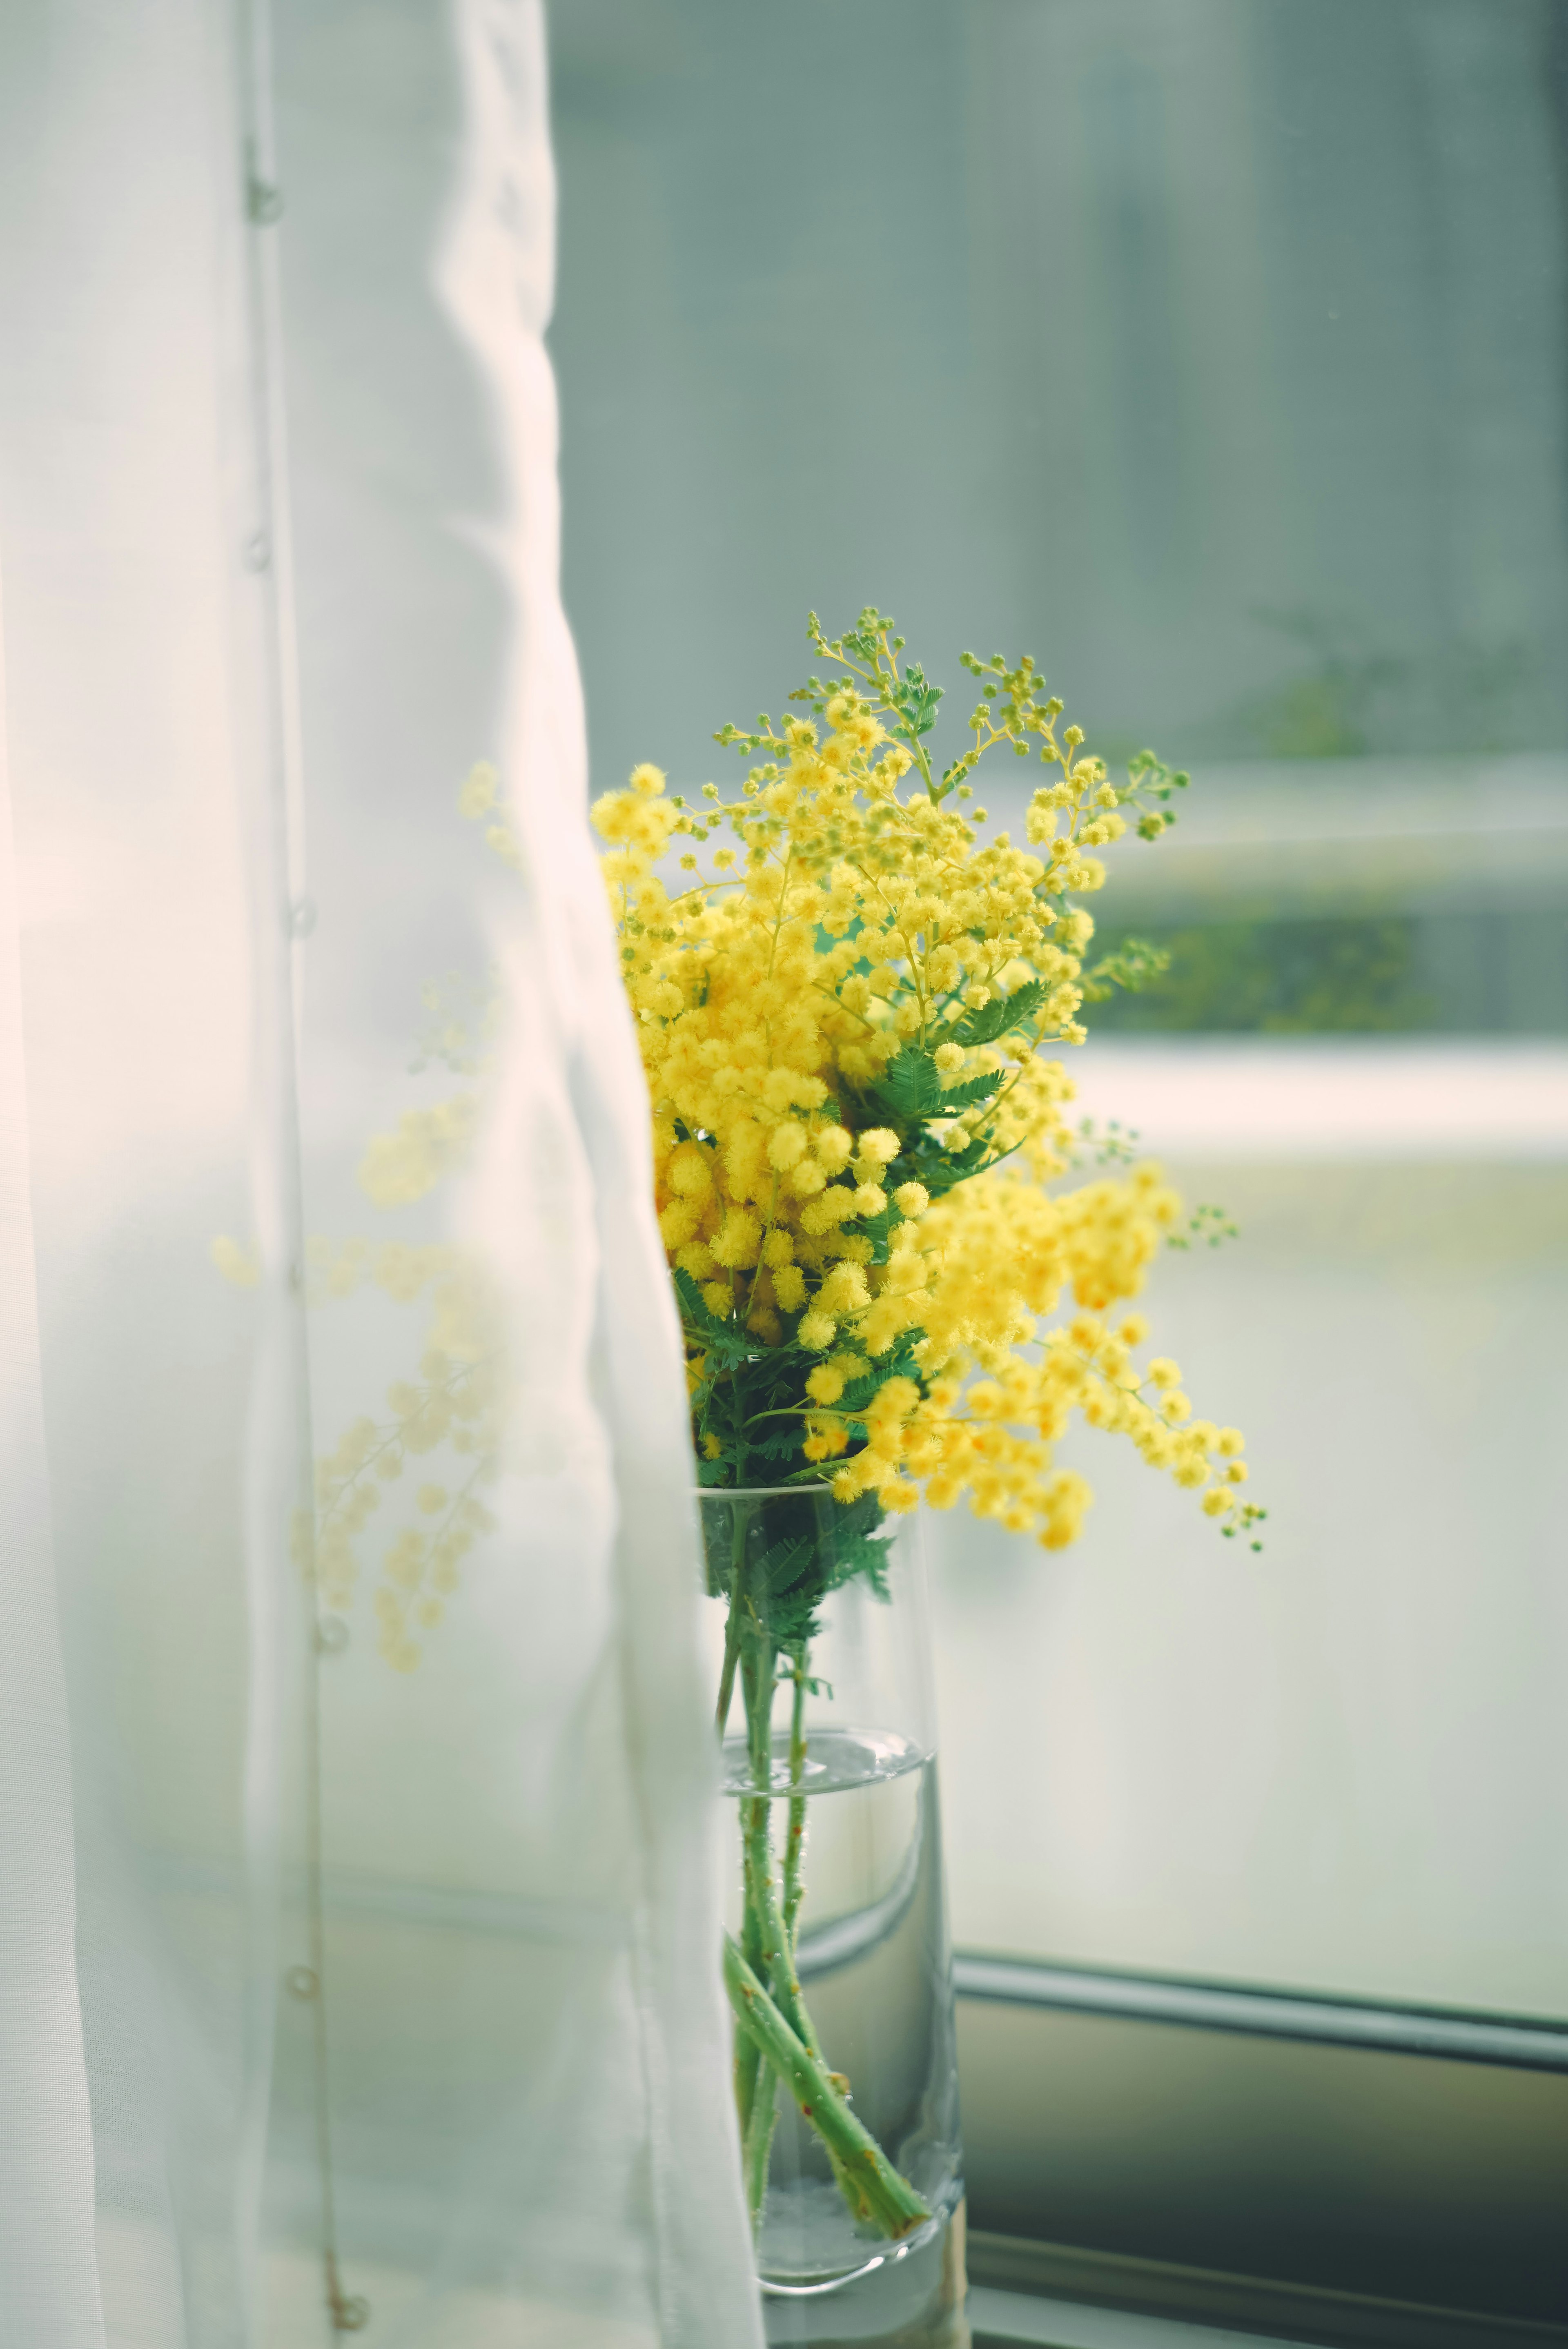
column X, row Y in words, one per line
column 1215, row 351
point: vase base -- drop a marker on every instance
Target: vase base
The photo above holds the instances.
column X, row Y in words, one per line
column 912, row 2300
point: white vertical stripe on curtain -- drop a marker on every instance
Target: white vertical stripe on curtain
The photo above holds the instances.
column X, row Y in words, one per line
column 282, row 1692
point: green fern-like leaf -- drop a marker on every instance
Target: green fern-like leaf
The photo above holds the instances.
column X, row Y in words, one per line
column 1001, row 1015
column 703, row 1324
column 781, row 1568
column 780, row 1446
column 939, row 1170
column 973, row 1090
column 859, row 1393
column 910, row 1085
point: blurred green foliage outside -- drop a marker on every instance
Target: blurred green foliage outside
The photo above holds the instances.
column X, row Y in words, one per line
column 1486, row 971
column 1331, row 976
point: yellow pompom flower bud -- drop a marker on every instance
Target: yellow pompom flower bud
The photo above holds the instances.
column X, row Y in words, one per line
column 817, row 1331
column 844, row 1290
column 912, row 1198
column 879, row 1145
column 789, row 1287
column 949, row 1058
column 895, row 1398
column 688, row 1172
column 739, row 1240
column 677, row 1222
column 825, row 1385
column 786, row 1146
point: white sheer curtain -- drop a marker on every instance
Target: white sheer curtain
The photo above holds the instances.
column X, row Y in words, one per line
column 299, row 1951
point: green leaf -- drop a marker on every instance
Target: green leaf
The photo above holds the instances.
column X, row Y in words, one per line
column 854, row 1550
column 973, row 1090
column 693, row 1304
column 944, row 1168
column 860, row 1393
column 879, row 1229
column 778, row 1445
column 1135, row 965
column 781, row 1568
column 1002, row 1014
column 910, row 1085
column 701, row 1323
column 915, row 698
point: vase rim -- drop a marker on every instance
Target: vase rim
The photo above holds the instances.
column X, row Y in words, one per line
column 760, row 1492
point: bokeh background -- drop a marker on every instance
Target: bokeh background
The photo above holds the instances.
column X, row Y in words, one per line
column 1215, row 351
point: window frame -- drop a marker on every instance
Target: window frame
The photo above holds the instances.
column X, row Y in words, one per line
column 1335, row 2170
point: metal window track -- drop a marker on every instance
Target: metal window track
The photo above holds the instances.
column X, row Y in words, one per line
column 1526, row 2045
column 1028, row 2292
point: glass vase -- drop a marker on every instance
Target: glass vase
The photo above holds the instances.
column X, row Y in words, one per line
column 836, row 1957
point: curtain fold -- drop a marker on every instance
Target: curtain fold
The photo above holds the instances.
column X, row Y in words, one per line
column 498, row 281
column 362, row 1898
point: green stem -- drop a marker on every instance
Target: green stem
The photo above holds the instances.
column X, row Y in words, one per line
column 727, row 1677
column 884, row 2197
column 747, row 2059
column 778, row 1967
column 757, row 2138
column 768, row 1938
column 747, row 2065
column 757, row 2091
column 795, row 1843
column 733, row 1622
column 872, row 2188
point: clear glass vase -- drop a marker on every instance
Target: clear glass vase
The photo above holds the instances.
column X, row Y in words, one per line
column 836, row 1957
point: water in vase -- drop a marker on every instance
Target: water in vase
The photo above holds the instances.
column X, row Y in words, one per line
column 874, row 1963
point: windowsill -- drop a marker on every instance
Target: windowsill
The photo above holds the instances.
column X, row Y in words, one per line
column 999, row 2320
column 1039, row 2295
